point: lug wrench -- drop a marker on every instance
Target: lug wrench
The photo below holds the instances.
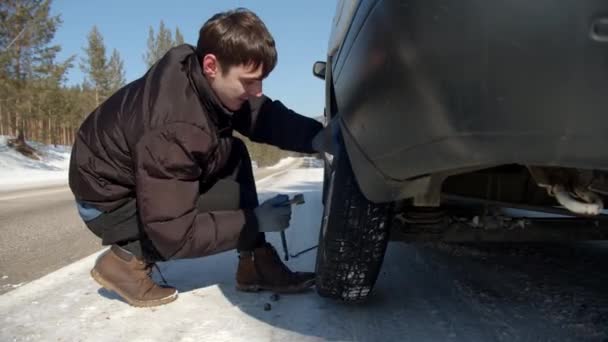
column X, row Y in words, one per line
column 297, row 200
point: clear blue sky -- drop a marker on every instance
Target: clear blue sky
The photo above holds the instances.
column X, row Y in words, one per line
column 300, row 28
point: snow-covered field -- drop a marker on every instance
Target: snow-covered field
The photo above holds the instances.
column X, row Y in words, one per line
column 19, row 172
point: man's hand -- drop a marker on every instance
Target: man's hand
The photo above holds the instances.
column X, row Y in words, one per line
column 274, row 214
column 318, row 141
column 327, row 139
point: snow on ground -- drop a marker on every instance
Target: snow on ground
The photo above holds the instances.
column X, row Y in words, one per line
column 19, row 172
column 424, row 293
column 69, row 305
column 282, row 163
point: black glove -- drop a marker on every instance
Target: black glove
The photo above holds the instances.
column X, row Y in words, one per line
column 274, row 214
column 327, row 140
column 318, row 142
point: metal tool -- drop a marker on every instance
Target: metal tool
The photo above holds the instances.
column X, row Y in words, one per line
column 303, row 251
column 297, row 199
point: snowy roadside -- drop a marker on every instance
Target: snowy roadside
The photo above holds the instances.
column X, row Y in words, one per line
column 18, row 172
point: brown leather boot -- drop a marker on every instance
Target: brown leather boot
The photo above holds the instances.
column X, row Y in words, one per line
column 120, row 271
column 263, row 269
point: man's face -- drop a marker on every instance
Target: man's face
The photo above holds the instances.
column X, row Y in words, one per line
column 235, row 86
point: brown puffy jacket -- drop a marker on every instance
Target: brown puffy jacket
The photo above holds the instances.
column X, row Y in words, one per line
column 158, row 137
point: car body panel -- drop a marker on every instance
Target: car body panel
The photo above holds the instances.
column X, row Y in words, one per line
column 345, row 11
column 424, row 87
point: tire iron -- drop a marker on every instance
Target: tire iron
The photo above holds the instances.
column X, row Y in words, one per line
column 297, row 200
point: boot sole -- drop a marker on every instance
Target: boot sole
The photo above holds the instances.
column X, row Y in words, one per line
column 257, row 288
column 131, row 301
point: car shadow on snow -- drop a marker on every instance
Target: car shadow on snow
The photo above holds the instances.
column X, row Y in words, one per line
column 294, row 313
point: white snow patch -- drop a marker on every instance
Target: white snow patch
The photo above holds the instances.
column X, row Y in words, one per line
column 18, row 171
column 282, row 163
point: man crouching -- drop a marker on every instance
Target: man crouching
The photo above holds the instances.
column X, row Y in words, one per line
column 158, row 175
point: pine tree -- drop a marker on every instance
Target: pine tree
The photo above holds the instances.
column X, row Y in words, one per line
column 95, row 65
column 179, row 39
column 26, row 56
column 158, row 44
column 164, row 40
column 51, row 100
column 150, row 55
column 116, row 72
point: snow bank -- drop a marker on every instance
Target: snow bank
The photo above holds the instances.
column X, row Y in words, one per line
column 18, row 171
column 282, row 163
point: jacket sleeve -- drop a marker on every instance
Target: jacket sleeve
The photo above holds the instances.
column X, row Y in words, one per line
column 170, row 162
column 266, row 121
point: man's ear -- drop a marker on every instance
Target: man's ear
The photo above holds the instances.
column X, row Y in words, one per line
column 211, row 67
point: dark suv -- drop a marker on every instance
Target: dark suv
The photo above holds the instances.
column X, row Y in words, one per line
column 460, row 121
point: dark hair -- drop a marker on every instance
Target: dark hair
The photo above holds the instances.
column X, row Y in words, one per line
column 238, row 37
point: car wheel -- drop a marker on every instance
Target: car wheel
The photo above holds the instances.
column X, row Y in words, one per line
column 326, row 177
column 353, row 237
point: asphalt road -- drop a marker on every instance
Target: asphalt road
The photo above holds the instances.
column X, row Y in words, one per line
column 40, row 231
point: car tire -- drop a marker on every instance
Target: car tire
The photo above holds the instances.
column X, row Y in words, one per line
column 353, row 237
